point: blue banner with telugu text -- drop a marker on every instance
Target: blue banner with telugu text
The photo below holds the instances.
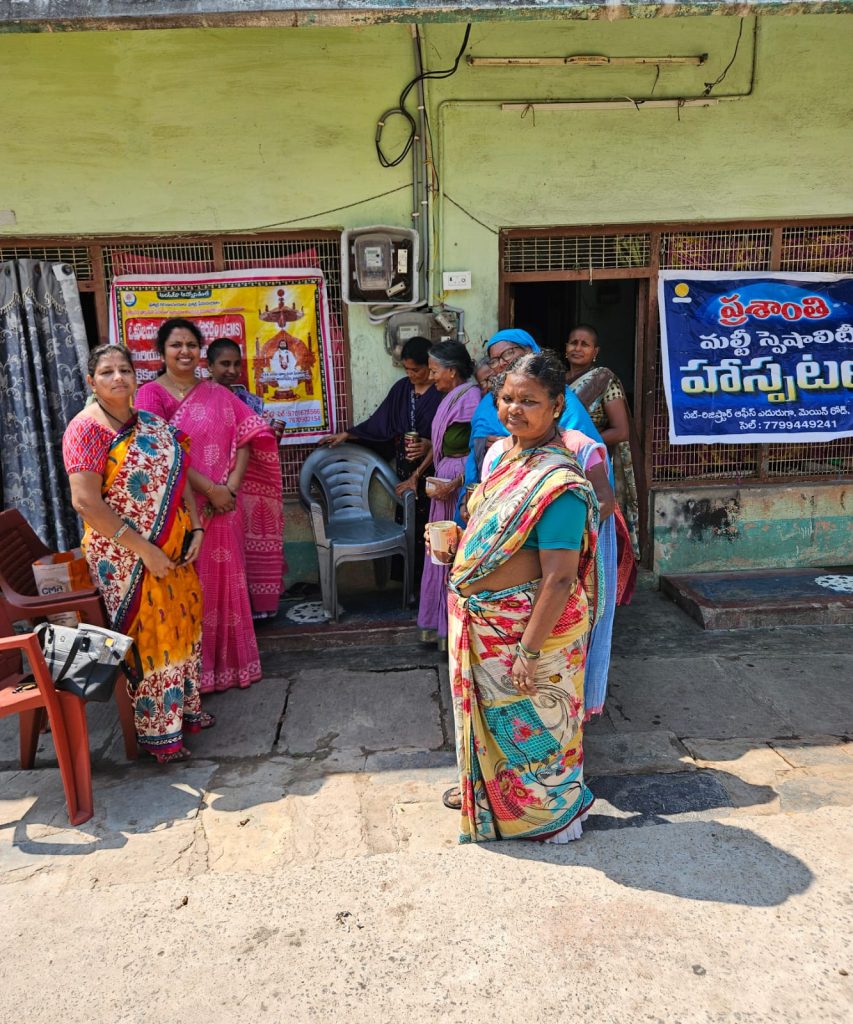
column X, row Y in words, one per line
column 760, row 358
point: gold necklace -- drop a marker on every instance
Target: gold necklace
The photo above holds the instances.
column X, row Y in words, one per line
column 182, row 391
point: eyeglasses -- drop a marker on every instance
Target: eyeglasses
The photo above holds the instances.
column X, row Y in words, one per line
column 507, row 356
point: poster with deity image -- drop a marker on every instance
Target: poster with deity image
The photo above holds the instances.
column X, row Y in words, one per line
column 756, row 358
column 278, row 318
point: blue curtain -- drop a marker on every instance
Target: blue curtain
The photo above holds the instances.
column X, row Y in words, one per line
column 42, row 387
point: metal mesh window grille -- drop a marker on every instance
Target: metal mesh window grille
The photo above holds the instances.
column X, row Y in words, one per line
column 76, row 256
column 583, row 252
column 827, row 249
column 322, row 252
column 157, row 257
column 717, row 250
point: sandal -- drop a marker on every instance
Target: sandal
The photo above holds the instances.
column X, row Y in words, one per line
column 205, row 721
column 172, row 756
column 452, row 798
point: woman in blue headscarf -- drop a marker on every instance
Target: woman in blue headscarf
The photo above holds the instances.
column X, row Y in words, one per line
column 502, row 350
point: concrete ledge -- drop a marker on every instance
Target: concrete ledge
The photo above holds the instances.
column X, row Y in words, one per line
column 760, row 598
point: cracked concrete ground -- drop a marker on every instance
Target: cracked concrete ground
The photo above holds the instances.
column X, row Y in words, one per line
column 302, row 868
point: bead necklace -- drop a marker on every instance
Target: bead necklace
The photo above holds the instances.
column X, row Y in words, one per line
column 109, row 415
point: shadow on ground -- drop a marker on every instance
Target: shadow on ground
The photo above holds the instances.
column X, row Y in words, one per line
column 699, row 860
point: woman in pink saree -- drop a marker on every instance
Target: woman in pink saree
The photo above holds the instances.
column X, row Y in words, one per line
column 260, row 501
column 451, row 372
column 223, row 432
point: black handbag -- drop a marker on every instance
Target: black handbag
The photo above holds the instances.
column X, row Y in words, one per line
column 87, row 660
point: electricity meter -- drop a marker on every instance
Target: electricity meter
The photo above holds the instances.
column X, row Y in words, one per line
column 372, row 262
column 379, row 266
column 440, row 324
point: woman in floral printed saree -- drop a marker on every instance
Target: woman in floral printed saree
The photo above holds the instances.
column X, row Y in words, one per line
column 525, row 590
column 128, row 475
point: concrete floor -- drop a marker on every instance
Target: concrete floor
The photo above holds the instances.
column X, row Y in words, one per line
column 302, row 867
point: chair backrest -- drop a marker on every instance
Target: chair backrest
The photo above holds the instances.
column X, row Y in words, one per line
column 343, row 474
column 19, row 548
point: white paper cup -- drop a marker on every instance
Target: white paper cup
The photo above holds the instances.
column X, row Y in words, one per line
column 431, row 482
column 442, row 541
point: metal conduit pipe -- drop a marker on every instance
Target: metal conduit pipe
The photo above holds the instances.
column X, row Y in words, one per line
column 422, row 219
column 623, row 103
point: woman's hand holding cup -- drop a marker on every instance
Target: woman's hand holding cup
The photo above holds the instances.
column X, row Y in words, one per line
column 442, row 540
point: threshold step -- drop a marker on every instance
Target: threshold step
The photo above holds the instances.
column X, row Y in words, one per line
column 750, row 599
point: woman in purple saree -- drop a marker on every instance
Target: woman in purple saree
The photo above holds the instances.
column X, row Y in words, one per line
column 451, row 372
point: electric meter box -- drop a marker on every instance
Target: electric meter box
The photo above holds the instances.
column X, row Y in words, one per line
column 379, row 266
column 434, row 325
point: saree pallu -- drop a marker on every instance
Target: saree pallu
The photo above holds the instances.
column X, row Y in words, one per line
column 218, row 423
column 144, row 485
column 458, row 406
column 595, row 389
column 598, row 649
column 262, row 509
column 520, row 758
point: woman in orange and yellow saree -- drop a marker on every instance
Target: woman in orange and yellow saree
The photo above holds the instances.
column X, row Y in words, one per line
column 525, row 590
column 128, row 475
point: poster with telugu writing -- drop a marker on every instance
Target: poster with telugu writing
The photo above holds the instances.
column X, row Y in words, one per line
column 279, row 318
column 756, row 358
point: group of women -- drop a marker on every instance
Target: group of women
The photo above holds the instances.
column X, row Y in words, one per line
column 179, row 488
column 178, row 485
column 526, row 457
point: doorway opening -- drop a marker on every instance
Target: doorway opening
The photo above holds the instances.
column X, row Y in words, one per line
column 550, row 309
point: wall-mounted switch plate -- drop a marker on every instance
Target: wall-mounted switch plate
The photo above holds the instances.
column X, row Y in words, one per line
column 456, row 280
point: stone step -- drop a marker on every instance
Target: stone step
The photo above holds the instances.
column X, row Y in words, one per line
column 764, row 597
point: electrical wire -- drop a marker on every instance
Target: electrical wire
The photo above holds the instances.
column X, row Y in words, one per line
column 468, row 213
column 712, row 85
column 400, row 109
column 335, row 209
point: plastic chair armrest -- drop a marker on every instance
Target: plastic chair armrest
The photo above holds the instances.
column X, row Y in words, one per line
column 318, row 525
column 408, row 503
column 18, row 642
column 29, row 644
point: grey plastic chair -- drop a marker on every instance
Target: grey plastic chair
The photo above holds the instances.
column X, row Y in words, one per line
column 346, row 530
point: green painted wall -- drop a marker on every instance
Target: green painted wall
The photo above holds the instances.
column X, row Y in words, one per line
column 219, row 130
column 727, row 528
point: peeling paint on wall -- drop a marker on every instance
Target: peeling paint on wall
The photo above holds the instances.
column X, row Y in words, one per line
column 726, row 528
column 700, row 518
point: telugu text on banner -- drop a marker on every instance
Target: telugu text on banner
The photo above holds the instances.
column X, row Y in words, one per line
column 756, row 358
column 279, row 318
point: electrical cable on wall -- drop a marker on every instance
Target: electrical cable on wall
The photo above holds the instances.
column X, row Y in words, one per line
column 400, row 109
column 712, row 85
column 323, row 213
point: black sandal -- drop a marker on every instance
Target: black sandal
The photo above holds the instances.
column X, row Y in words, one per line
column 452, row 798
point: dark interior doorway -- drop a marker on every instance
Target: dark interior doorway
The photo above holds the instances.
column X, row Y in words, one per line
column 550, row 309
column 90, row 317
